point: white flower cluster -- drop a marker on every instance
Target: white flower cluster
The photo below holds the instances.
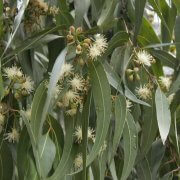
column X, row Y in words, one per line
column 78, row 161
column 165, row 82
column 18, row 81
column 12, row 136
column 144, row 92
column 98, row 47
column 78, row 134
column 144, row 58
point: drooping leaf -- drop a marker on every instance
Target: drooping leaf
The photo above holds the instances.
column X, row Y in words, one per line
column 130, row 139
column 17, row 22
column 6, row 162
column 163, row 114
column 149, row 129
column 102, row 99
column 177, row 36
column 61, row 169
column 85, row 125
column 107, row 12
column 47, row 152
column 120, row 116
column 119, row 39
column 139, row 11
column 144, row 170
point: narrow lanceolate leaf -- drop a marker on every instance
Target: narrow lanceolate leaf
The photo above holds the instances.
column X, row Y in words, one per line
column 120, row 116
column 144, row 171
column 61, row 169
column 1, row 19
column 102, row 99
column 107, row 13
column 47, row 152
column 177, row 35
column 130, row 146
column 55, row 74
column 17, row 22
column 37, row 108
column 149, row 129
column 139, row 11
column 85, row 124
column 6, row 162
column 163, row 114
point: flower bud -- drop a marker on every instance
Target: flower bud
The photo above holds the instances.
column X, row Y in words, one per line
column 136, row 69
column 131, row 77
column 72, row 29
column 129, row 71
column 88, row 41
column 70, row 38
column 79, row 30
column 78, row 49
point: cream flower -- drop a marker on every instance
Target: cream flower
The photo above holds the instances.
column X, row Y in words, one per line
column 77, row 83
column 165, row 82
column 71, row 96
column 28, row 113
column 94, row 52
column 12, row 136
column 144, row 58
column 143, row 92
column 128, row 104
column 78, row 161
column 2, row 117
column 66, row 69
column 101, row 42
column 103, row 148
column 78, row 134
column 170, row 98
column 71, row 112
column 13, row 72
column 28, row 84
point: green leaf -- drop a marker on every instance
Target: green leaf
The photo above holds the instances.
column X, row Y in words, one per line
column 144, row 170
column 166, row 58
column 149, row 129
column 177, row 3
column 47, row 152
column 119, row 39
column 120, row 116
column 37, row 109
column 163, row 114
column 177, row 36
column 81, row 9
column 85, row 125
column 139, row 11
column 102, row 99
column 61, row 169
column 130, row 138
column 57, row 136
column 1, row 86
column 17, row 22
column 33, row 41
column 64, row 17
column 1, row 20
column 6, row 162
column 107, row 13
column 147, row 34
column 22, row 154
column 55, row 74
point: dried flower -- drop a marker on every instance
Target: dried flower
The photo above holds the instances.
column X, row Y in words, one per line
column 71, row 112
column 28, row 85
column 144, row 92
column 128, row 104
column 66, row 69
column 71, row 96
column 170, row 98
column 101, row 42
column 78, row 134
column 165, row 82
column 12, row 136
column 78, row 161
column 144, row 58
column 13, row 72
column 77, row 83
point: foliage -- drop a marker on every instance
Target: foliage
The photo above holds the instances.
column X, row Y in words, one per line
column 89, row 89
